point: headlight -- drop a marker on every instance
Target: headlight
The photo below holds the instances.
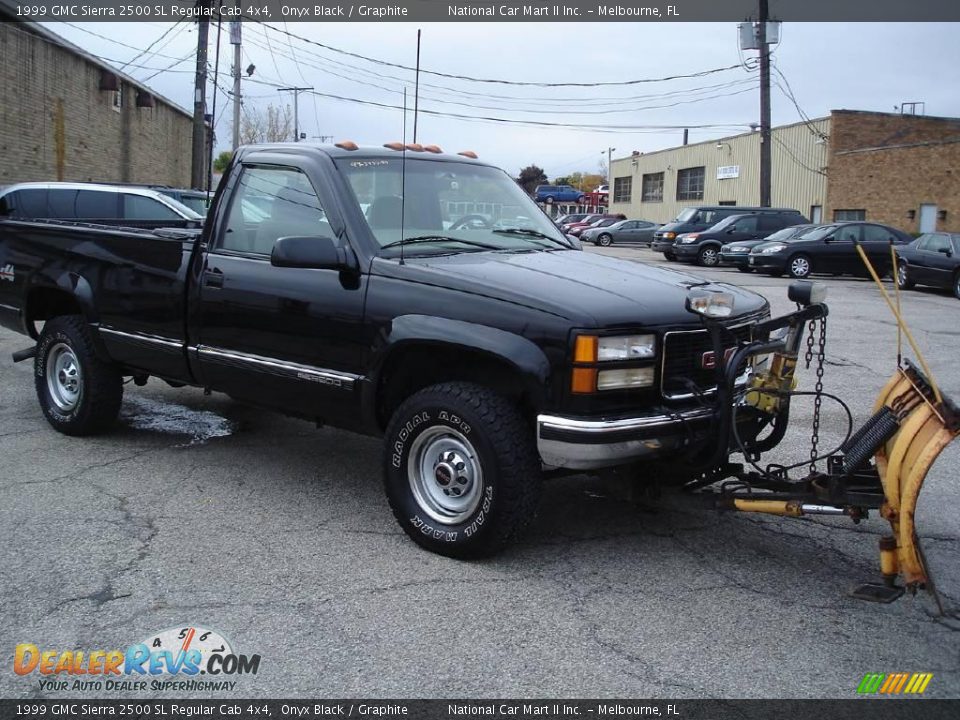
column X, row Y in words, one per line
column 689, row 238
column 738, row 249
column 627, row 347
column 710, row 303
column 669, row 236
column 771, row 249
column 625, row 378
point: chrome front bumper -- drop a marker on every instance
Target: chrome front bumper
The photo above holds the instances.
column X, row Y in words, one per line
column 580, row 444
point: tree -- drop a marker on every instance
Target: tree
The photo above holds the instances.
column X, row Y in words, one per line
column 221, row 161
column 275, row 124
column 530, row 177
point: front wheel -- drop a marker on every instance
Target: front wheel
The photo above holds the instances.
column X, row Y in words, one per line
column 708, row 256
column 670, row 257
column 744, row 269
column 79, row 393
column 549, row 201
column 606, row 240
column 799, row 266
column 956, row 286
column 461, row 470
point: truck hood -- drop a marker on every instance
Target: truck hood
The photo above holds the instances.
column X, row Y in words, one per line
column 587, row 289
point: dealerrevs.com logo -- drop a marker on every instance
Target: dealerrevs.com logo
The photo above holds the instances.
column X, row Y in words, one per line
column 179, row 659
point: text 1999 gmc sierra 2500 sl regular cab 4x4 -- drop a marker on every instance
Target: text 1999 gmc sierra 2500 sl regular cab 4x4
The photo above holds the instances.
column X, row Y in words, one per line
column 394, row 291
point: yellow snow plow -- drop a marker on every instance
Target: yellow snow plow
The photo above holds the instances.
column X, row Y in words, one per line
column 882, row 466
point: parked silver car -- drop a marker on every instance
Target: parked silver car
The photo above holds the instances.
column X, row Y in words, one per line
column 625, row 231
column 91, row 201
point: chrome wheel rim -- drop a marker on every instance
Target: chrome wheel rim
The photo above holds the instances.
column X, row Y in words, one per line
column 604, row 240
column 445, row 475
column 902, row 275
column 709, row 257
column 800, row 267
column 64, row 377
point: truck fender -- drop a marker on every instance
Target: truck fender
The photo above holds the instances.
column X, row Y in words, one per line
column 515, row 351
column 76, row 287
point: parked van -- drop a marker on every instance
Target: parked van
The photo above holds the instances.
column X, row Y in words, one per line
column 701, row 217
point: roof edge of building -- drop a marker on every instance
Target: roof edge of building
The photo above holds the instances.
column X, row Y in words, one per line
column 713, row 141
column 34, row 28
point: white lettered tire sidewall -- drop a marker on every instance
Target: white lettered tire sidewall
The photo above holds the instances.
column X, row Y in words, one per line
column 503, row 506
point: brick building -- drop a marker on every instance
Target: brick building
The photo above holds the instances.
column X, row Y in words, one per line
column 903, row 170
column 66, row 115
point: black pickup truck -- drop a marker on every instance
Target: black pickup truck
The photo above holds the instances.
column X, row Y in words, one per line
column 403, row 293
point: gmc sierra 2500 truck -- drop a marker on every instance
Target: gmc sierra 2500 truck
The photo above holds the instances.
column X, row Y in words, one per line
column 396, row 291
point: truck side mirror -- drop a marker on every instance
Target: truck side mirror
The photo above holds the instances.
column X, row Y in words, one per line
column 315, row 252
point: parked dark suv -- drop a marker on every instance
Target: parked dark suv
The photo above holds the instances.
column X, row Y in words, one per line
column 703, row 248
column 695, row 219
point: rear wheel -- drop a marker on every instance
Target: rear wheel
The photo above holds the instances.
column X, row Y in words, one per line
column 904, row 281
column 605, row 239
column 79, row 393
column 799, row 266
column 549, row 200
column 461, row 470
column 744, row 269
column 708, row 256
column 956, row 286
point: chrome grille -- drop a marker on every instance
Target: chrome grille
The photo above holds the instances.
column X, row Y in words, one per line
column 682, row 372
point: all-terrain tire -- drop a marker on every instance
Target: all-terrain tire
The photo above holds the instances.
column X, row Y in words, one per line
column 79, row 393
column 461, row 470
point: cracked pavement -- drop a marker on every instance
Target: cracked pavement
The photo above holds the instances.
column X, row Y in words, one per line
column 278, row 535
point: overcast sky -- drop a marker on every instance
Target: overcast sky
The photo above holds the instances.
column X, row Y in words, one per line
column 866, row 66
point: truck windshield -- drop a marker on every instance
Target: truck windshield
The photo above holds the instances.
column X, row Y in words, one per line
column 446, row 202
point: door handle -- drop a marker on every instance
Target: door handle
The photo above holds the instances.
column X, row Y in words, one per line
column 213, row 278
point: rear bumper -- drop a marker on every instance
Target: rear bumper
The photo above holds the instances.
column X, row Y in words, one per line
column 584, row 444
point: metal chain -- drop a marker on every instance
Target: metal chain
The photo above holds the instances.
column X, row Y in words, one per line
column 818, row 388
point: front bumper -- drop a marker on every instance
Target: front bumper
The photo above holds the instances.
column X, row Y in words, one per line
column 767, row 262
column 584, row 444
column 686, row 252
column 661, row 245
column 734, row 259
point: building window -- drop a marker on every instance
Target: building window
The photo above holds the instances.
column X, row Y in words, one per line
column 652, row 187
column 118, row 98
column 849, row 215
column 690, row 183
column 728, row 202
column 622, row 188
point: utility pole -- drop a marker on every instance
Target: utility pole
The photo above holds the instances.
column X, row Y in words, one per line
column 764, row 105
column 237, row 97
column 609, row 169
column 198, row 158
column 296, row 108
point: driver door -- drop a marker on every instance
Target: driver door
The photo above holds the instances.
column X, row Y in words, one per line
column 286, row 337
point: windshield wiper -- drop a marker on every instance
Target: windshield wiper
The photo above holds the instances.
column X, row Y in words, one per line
column 438, row 238
column 530, row 233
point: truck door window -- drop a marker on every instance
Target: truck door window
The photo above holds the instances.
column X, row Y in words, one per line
column 270, row 203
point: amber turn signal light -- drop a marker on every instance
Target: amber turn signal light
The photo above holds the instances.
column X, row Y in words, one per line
column 585, row 349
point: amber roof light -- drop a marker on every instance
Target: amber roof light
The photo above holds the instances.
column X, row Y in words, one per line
column 393, row 145
column 468, row 153
column 346, row 145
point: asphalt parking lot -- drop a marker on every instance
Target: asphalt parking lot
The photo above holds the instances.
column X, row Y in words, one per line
column 197, row 511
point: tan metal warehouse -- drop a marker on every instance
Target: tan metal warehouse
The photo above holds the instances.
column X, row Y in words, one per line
column 903, row 170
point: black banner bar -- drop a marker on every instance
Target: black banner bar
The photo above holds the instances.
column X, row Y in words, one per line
column 854, row 709
column 423, row 11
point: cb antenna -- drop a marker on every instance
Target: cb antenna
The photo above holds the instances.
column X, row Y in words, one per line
column 403, row 171
column 416, row 90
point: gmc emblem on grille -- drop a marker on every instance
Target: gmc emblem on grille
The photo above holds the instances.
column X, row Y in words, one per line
column 708, row 361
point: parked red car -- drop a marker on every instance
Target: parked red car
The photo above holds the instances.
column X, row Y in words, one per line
column 594, row 221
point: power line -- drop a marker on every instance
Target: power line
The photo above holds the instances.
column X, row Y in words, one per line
column 112, row 40
column 497, row 81
column 150, row 46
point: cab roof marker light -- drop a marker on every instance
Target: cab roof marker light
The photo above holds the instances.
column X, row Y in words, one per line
column 468, row 153
column 347, row 145
column 415, row 147
column 432, row 148
column 394, row 145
